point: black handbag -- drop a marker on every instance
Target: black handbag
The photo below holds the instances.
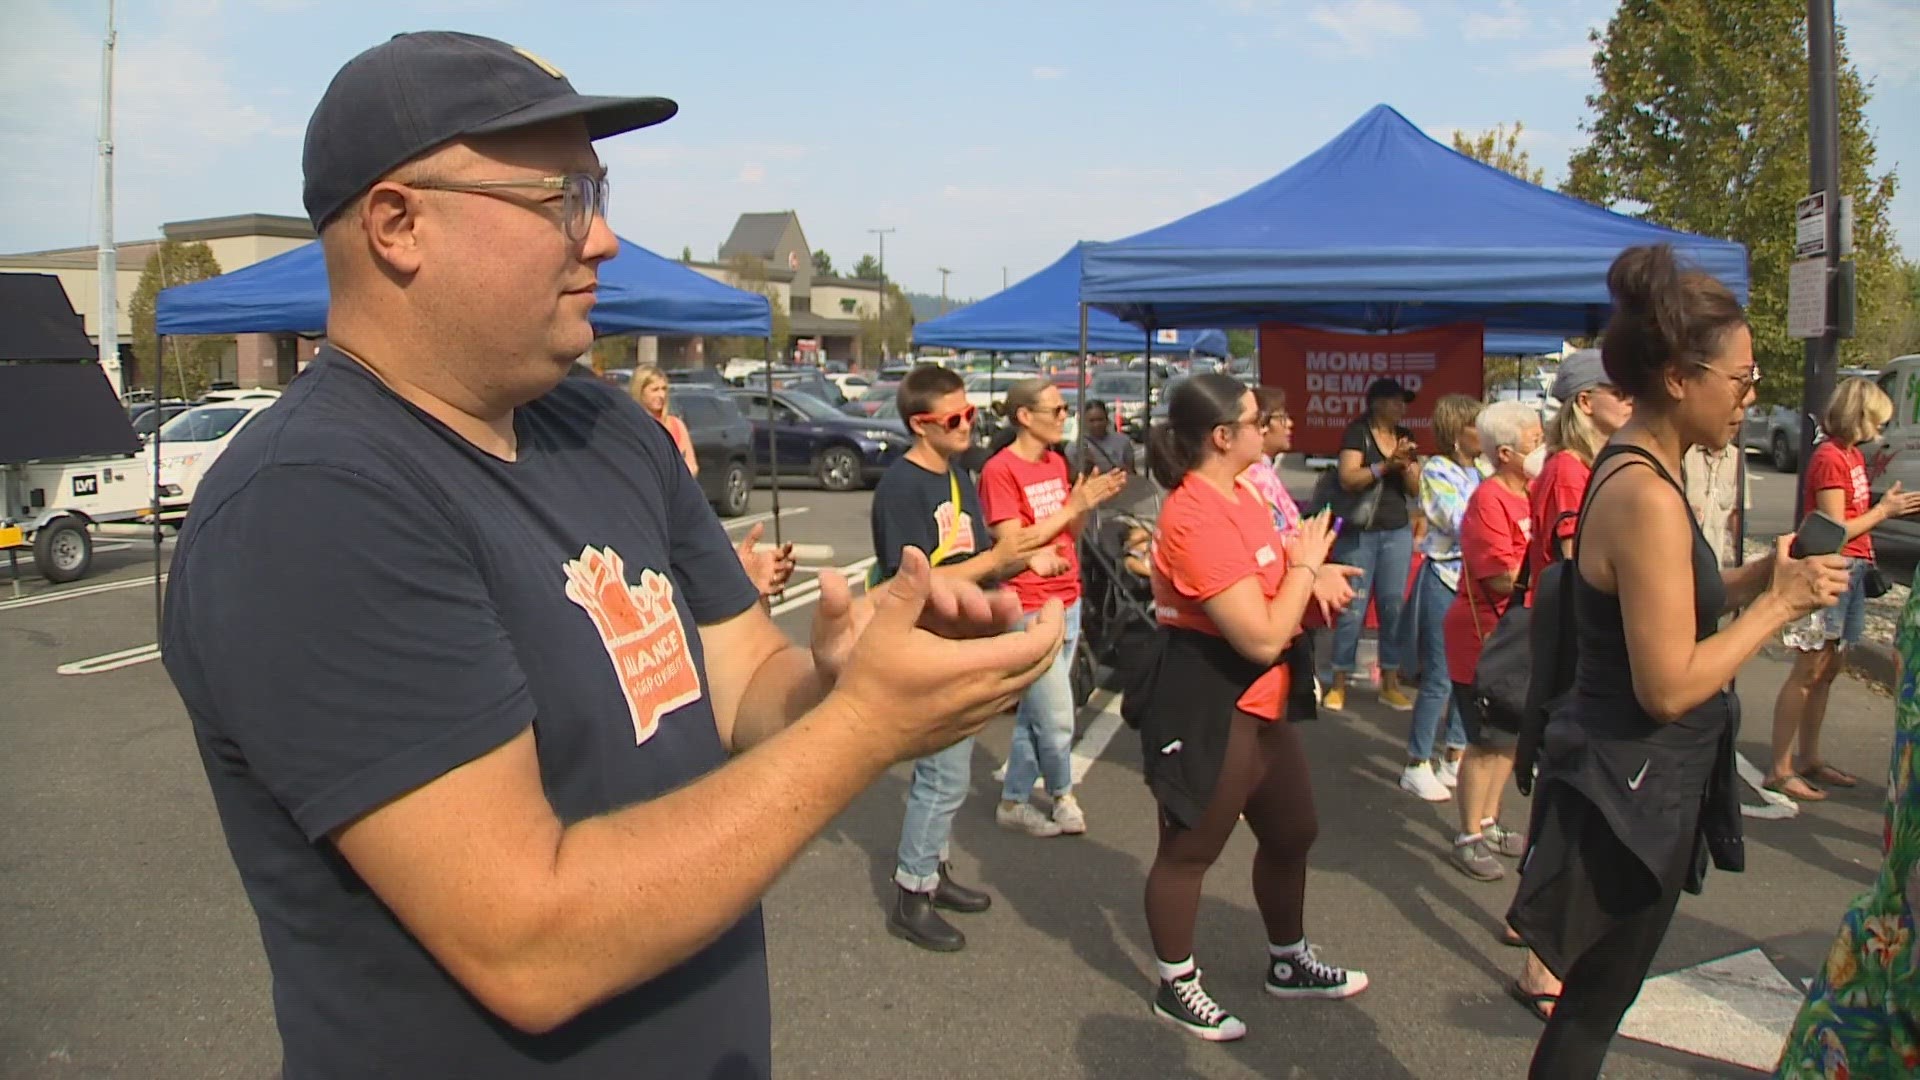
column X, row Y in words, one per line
column 1876, row 583
column 1506, row 656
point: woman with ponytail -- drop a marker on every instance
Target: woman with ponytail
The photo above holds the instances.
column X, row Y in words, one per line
column 1635, row 768
column 1229, row 593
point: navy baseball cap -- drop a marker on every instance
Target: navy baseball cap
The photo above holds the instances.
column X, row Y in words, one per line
column 414, row 92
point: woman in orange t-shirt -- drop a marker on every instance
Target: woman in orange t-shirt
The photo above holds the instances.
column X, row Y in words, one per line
column 650, row 389
column 1229, row 593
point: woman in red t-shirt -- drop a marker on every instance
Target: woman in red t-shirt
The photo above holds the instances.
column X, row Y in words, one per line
column 1025, row 486
column 1591, row 410
column 1838, row 486
column 1229, row 593
column 1495, row 534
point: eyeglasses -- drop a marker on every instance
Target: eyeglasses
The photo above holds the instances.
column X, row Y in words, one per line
column 583, row 196
column 952, row 421
column 1746, row 381
column 1058, row 412
column 1272, row 418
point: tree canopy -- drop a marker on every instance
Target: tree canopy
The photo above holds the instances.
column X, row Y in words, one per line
column 867, row 269
column 193, row 361
column 1700, row 124
column 822, row 262
column 1500, row 148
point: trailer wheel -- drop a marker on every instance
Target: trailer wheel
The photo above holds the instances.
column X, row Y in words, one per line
column 62, row 550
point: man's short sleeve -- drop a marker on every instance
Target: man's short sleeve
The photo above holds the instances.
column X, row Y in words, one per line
column 348, row 666
column 1000, row 495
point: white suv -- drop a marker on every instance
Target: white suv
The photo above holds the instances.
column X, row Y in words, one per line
column 1895, row 456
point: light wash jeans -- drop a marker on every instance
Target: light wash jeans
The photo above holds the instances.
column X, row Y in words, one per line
column 940, row 783
column 1385, row 556
column 1043, row 728
column 1426, row 619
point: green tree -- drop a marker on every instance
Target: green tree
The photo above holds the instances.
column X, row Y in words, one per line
column 867, row 269
column 1500, row 148
column 894, row 329
column 822, row 262
column 1241, row 342
column 1700, row 123
column 190, row 362
column 686, row 253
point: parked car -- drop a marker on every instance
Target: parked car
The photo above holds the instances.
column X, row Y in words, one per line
column 871, row 401
column 697, row 376
column 191, row 441
column 722, row 442
column 1895, row 456
column 1774, row 430
column 806, row 381
column 812, row 438
column 232, row 393
column 851, row 383
column 1124, row 391
column 148, row 417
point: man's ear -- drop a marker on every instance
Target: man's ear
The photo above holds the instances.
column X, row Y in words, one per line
column 390, row 217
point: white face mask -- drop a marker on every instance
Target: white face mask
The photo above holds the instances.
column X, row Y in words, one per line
column 1536, row 461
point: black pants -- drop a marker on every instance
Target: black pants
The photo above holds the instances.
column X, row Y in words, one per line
column 1605, row 980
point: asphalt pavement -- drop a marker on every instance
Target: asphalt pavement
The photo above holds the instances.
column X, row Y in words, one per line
column 130, row 951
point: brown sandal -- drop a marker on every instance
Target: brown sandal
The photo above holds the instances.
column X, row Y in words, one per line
column 1782, row 785
column 1828, row 775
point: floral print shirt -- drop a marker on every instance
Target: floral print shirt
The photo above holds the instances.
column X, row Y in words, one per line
column 1445, row 487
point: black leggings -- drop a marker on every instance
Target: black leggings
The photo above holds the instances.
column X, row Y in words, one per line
column 1264, row 777
column 1606, row 978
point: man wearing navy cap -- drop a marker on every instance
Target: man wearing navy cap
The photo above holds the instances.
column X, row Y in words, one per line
column 504, row 748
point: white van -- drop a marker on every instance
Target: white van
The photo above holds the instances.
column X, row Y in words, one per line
column 1895, row 457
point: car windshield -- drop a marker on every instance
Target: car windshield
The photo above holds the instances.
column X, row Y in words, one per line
column 1109, row 384
column 201, row 425
column 811, row 407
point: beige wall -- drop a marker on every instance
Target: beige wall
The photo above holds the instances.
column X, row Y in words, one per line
column 234, row 252
column 783, row 290
column 826, row 302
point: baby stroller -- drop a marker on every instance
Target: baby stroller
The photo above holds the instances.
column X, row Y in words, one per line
column 1116, row 608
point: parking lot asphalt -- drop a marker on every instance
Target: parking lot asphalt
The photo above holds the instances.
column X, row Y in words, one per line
column 130, row 950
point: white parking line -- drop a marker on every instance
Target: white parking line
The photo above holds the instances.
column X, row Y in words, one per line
column 754, row 519
column 1105, row 705
column 808, row 592
column 113, row 661
column 75, row 594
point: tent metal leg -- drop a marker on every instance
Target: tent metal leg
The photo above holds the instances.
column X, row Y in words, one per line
column 773, row 451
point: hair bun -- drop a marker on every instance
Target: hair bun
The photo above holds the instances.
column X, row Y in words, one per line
column 1642, row 273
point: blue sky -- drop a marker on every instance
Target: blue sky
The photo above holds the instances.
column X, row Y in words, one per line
column 989, row 134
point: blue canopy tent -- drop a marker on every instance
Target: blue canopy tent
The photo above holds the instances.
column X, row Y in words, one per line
column 1042, row 313
column 640, row 293
column 1380, row 229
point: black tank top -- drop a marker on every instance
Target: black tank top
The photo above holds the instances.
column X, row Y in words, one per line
column 1603, row 695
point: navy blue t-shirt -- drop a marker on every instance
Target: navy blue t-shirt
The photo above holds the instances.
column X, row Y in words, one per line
column 362, row 601
column 913, row 506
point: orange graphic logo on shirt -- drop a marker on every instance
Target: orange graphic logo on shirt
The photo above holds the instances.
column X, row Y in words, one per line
column 956, row 529
column 642, row 632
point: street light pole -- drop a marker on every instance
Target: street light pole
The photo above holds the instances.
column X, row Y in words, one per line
column 882, row 234
column 1823, row 159
column 943, row 289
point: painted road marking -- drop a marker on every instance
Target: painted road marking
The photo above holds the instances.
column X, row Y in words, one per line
column 1737, row 1009
column 75, row 594
column 751, row 520
column 1104, row 706
column 808, row 592
column 113, row 661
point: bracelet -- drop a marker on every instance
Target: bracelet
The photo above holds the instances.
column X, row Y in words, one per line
column 1314, row 570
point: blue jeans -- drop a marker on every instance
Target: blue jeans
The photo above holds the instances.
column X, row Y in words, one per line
column 940, row 783
column 1385, row 556
column 1431, row 599
column 1043, row 728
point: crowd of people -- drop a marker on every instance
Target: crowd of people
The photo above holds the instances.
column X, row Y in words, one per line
column 506, row 779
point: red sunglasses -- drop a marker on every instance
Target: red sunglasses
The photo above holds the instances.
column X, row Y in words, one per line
column 951, row 421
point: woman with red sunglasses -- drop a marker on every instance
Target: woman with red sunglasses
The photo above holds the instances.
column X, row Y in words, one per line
column 1026, row 486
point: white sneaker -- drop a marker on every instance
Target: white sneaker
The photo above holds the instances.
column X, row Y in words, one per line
column 1027, row 818
column 1449, row 772
column 1419, row 780
column 1068, row 815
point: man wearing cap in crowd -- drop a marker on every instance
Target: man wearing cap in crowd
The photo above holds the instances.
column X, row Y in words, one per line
column 504, row 748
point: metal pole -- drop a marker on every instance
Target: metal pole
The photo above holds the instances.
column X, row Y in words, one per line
column 107, row 260
column 160, row 410
column 773, row 450
column 1146, row 396
column 1823, row 155
column 882, row 234
column 1086, row 388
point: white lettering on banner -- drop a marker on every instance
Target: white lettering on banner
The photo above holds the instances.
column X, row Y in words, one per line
column 1337, row 381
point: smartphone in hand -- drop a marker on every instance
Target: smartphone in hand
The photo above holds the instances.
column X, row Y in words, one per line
column 1818, row 534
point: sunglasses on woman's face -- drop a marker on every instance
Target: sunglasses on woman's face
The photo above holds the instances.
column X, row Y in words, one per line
column 952, row 421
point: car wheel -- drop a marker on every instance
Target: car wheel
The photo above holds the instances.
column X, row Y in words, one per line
column 1783, row 453
column 838, row 469
column 734, row 489
column 62, row 550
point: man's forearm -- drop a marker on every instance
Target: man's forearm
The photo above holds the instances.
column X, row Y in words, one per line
column 783, row 689
column 631, row 894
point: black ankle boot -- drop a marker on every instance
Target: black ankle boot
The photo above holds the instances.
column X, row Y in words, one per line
column 914, row 920
column 953, row 896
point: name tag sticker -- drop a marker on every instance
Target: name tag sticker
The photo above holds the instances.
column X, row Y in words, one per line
column 1265, row 556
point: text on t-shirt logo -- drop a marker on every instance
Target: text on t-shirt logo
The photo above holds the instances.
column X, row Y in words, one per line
column 1862, row 490
column 955, row 529
column 642, row 633
column 1046, row 497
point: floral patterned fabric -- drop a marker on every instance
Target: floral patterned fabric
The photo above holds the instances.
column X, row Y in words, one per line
column 1861, row 1019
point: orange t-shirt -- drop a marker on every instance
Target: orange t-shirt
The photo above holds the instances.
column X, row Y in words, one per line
column 1205, row 543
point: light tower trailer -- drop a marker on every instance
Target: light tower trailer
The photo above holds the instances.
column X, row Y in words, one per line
column 68, row 463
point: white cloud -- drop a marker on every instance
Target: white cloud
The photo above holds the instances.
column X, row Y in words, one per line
column 1362, row 25
column 1049, row 72
column 1883, row 37
column 1507, row 23
column 1574, row 61
column 753, row 173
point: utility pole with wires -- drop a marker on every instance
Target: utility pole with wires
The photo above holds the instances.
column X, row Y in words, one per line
column 885, row 354
column 943, row 288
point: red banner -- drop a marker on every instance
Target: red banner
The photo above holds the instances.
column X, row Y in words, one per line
column 1325, row 374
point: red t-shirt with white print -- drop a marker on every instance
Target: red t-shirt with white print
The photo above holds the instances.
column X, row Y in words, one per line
column 1015, row 489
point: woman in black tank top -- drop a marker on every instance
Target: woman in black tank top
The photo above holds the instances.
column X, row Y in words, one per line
column 1635, row 784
